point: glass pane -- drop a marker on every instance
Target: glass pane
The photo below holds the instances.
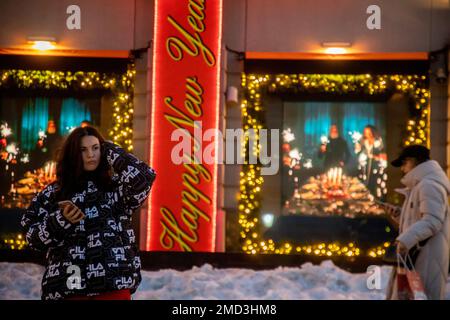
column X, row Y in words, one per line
column 33, row 129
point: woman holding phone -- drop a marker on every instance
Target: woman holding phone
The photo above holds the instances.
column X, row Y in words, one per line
column 83, row 220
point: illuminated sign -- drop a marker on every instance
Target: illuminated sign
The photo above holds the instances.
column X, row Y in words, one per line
column 186, row 82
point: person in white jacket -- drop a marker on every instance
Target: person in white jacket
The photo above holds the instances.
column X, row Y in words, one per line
column 424, row 218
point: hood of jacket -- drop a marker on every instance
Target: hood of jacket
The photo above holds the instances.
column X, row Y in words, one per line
column 430, row 170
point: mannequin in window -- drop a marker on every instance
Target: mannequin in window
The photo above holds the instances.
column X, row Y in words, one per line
column 372, row 161
column 335, row 152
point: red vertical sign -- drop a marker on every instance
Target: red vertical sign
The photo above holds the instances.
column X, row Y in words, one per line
column 186, row 82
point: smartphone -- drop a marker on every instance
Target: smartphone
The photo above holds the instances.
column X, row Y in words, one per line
column 63, row 204
column 388, row 206
column 381, row 203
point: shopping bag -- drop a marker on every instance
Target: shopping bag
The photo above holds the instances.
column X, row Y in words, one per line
column 409, row 283
column 403, row 289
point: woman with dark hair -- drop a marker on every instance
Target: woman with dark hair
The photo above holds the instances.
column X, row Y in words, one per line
column 372, row 162
column 83, row 220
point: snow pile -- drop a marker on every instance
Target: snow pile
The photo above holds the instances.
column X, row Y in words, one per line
column 317, row 282
column 20, row 281
column 308, row 282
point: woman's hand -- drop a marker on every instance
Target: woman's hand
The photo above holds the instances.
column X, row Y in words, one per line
column 104, row 148
column 72, row 213
column 392, row 210
column 401, row 249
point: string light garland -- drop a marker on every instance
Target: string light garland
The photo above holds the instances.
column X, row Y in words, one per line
column 321, row 249
column 120, row 85
column 416, row 87
column 13, row 242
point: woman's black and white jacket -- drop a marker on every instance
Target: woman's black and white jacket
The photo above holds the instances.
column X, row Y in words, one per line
column 99, row 253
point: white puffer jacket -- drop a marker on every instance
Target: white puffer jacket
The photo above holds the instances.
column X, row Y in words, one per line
column 424, row 215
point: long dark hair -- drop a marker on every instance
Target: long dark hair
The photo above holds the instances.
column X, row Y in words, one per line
column 374, row 131
column 70, row 174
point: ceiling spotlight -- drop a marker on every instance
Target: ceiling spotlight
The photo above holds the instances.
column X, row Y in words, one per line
column 42, row 43
column 336, row 47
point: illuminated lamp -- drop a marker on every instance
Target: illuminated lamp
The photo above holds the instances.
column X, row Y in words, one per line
column 42, row 43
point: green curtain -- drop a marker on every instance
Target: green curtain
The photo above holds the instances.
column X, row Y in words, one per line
column 34, row 119
column 73, row 112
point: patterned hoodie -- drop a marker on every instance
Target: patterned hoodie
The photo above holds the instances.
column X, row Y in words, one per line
column 98, row 254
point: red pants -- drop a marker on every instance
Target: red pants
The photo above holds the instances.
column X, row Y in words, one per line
column 113, row 295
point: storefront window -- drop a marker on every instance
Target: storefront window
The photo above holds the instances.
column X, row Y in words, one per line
column 333, row 171
column 338, row 134
column 333, row 151
column 33, row 128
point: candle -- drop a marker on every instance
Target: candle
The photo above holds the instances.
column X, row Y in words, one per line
column 52, row 170
column 330, row 177
column 339, row 179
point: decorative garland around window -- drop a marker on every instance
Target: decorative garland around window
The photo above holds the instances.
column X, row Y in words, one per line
column 120, row 85
column 251, row 182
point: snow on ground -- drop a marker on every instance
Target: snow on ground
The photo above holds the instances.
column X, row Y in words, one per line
column 318, row 282
column 308, row 282
column 20, row 281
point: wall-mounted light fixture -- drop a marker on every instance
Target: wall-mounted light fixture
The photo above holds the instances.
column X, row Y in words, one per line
column 268, row 219
column 232, row 96
column 42, row 43
column 336, row 47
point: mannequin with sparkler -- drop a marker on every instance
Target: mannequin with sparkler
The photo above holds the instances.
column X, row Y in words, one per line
column 372, row 162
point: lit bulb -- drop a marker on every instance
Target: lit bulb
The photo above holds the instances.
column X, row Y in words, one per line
column 43, row 45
